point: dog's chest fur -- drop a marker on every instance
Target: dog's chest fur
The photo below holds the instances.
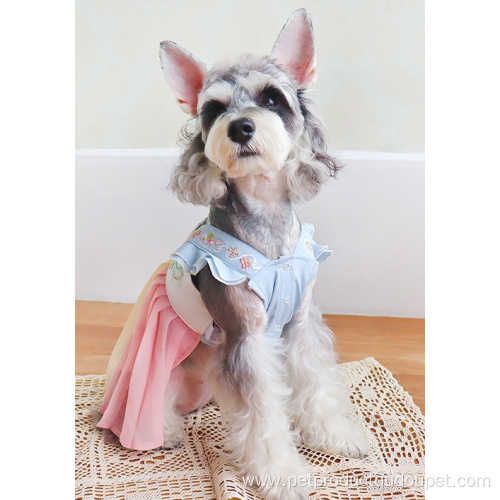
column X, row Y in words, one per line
column 256, row 211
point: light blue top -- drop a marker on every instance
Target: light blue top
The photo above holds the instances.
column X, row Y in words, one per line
column 280, row 283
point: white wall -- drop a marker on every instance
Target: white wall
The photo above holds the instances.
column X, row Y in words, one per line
column 370, row 66
column 372, row 217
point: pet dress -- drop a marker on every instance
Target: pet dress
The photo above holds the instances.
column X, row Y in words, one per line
column 173, row 320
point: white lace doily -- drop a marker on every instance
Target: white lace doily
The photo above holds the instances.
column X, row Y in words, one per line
column 199, row 468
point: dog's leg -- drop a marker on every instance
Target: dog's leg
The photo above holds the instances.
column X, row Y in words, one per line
column 319, row 401
column 189, row 388
column 173, row 421
column 196, row 388
column 251, row 389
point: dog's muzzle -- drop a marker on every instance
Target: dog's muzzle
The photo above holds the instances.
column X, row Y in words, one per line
column 241, row 130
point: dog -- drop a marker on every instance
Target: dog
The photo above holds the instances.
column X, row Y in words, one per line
column 266, row 356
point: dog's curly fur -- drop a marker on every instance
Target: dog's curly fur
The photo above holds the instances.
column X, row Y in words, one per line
column 309, row 165
column 273, row 393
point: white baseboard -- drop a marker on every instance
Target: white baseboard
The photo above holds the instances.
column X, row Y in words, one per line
column 372, row 217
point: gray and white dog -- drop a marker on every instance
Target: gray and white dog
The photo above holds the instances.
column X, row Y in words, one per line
column 258, row 147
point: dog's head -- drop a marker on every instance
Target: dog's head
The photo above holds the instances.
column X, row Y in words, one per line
column 252, row 117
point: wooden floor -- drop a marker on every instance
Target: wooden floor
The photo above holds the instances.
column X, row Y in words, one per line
column 396, row 343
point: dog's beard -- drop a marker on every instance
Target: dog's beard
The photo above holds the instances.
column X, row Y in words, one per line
column 266, row 151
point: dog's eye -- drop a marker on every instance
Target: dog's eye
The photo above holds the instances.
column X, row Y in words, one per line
column 269, row 98
column 269, row 102
column 210, row 111
column 214, row 108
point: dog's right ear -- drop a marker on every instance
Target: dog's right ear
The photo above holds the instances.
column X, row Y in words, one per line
column 184, row 73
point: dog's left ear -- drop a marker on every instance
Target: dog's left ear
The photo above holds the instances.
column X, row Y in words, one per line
column 184, row 73
column 294, row 49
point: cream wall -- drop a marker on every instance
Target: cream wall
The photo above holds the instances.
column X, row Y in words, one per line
column 370, row 65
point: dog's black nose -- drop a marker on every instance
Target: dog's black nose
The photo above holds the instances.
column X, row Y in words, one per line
column 241, row 130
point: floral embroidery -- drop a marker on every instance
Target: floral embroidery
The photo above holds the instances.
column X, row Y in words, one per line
column 308, row 245
column 245, row 262
column 177, row 271
column 232, row 253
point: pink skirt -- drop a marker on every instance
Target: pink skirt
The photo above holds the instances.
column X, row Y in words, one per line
column 133, row 403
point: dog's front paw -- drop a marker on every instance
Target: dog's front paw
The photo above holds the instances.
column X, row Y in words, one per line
column 354, row 446
column 173, row 436
column 295, row 487
column 339, row 437
column 285, row 493
column 172, row 443
column 289, row 480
